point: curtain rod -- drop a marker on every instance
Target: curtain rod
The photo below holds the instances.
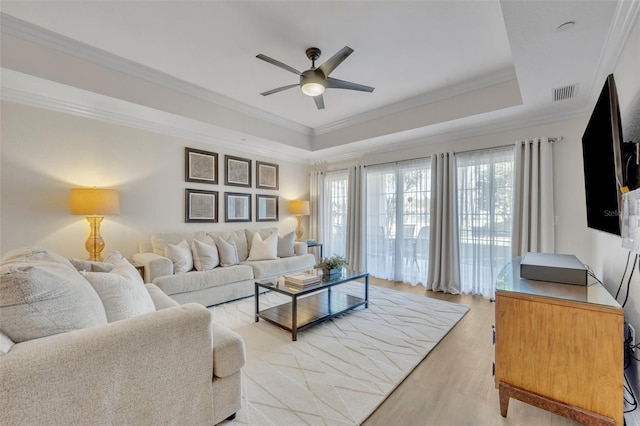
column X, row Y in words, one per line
column 550, row 140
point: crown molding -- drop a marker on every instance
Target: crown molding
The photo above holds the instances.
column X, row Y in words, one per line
column 625, row 17
column 432, row 135
column 41, row 36
column 481, row 82
column 160, row 126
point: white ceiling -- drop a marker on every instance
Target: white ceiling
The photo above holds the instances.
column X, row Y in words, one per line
column 435, row 65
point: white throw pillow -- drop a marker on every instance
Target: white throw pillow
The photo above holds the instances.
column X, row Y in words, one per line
column 113, row 257
column 205, row 255
column 266, row 249
column 90, row 265
column 42, row 294
column 122, row 291
column 227, row 251
column 180, row 255
column 285, row 245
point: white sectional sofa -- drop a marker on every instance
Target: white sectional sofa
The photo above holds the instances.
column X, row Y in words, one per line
column 102, row 348
column 218, row 278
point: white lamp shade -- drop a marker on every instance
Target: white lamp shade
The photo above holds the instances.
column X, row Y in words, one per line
column 94, row 201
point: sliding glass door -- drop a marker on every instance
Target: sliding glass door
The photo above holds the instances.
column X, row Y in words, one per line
column 336, row 193
column 397, row 220
column 484, row 186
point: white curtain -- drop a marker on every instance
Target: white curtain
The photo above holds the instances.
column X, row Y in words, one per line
column 533, row 228
column 356, row 219
column 397, row 209
column 335, row 212
column 444, row 274
column 484, row 192
column 316, row 201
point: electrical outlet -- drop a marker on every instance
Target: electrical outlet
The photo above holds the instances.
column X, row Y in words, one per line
column 632, row 335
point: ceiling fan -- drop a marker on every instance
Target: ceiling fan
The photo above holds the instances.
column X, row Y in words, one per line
column 314, row 81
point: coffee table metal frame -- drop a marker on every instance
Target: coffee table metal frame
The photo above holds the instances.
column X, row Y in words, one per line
column 310, row 305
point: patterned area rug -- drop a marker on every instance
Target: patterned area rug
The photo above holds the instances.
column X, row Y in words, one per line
column 339, row 371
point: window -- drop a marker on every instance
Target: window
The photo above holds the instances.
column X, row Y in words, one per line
column 397, row 229
column 336, row 192
column 484, row 186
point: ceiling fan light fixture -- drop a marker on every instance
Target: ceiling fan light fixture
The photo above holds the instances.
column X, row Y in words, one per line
column 312, row 89
column 312, row 82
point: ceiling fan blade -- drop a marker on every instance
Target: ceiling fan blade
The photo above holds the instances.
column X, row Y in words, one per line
column 333, row 62
column 279, row 89
column 278, row 64
column 319, row 100
column 334, row 83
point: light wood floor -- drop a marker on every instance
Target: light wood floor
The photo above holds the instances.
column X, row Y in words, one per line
column 454, row 385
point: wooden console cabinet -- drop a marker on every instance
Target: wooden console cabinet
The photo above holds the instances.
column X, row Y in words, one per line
column 559, row 347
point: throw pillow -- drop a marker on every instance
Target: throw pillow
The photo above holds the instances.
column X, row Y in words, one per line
column 91, row 266
column 264, row 233
column 286, row 244
column 205, row 255
column 180, row 255
column 266, row 249
column 122, row 291
column 42, row 294
column 227, row 251
column 113, row 257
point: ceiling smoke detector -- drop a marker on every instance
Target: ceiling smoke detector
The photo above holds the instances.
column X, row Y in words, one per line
column 565, row 92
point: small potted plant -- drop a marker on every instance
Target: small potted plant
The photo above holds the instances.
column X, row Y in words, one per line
column 332, row 265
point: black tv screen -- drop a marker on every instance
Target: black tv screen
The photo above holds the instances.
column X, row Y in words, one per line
column 603, row 153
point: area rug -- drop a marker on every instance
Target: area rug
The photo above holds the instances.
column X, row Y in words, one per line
column 337, row 372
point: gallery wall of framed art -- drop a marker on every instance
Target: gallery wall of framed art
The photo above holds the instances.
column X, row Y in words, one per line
column 204, row 205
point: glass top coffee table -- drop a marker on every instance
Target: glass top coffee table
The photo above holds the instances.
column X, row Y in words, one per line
column 311, row 305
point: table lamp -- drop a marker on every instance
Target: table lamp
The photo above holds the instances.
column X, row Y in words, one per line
column 94, row 203
column 299, row 208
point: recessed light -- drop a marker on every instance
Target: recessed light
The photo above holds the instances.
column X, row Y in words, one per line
column 566, row 26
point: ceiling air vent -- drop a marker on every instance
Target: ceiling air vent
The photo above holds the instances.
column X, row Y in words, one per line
column 565, row 92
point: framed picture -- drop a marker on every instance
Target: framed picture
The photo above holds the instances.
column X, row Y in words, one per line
column 200, row 166
column 266, row 175
column 266, row 208
column 237, row 207
column 237, row 171
column 200, row 206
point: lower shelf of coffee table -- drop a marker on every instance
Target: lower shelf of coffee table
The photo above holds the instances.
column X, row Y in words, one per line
column 312, row 309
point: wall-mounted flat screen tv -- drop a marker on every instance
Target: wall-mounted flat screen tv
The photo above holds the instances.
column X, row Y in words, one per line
column 603, row 156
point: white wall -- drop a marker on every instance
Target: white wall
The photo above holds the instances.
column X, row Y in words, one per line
column 45, row 153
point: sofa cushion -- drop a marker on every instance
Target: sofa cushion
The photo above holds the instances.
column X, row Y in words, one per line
column 122, row 291
column 205, row 254
column 272, row 268
column 266, row 249
column 286, row 245
column 42, row 294
column 160, row 299
column 196, row 280
column 180, row 255
column 227, row 250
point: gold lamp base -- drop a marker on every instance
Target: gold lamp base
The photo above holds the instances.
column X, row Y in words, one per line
column 95, row 243
column 299, row 228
